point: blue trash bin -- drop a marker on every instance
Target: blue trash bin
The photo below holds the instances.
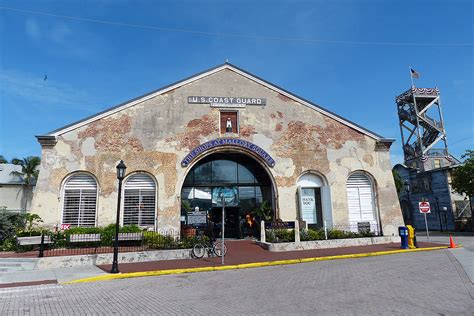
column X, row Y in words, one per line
column 403, row 232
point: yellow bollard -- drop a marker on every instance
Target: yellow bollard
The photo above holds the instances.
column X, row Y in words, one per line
column 411, row 237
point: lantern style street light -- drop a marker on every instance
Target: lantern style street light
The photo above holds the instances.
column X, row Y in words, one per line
column 120, row 176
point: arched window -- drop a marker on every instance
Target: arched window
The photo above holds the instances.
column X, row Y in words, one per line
column 360, row 201
column 309, row 191
column 80, row 200
column 139, row 201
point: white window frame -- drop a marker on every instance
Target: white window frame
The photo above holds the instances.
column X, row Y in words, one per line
column 63, row 199
column 155, row 217
column 325, row 195
column 374, row 199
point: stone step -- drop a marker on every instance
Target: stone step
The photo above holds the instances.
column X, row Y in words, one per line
column 17, row 264
column 9, row 264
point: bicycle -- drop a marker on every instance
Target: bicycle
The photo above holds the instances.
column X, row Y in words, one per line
column 213, row 248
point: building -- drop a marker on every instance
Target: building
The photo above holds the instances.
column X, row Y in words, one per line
column 428, row 165
column 14, row 195
column 223, row 133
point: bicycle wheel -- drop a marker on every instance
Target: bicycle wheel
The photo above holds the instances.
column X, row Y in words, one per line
column 199, row 250
column 219, row 249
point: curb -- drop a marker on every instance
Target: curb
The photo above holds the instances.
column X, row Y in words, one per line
column 245, row 265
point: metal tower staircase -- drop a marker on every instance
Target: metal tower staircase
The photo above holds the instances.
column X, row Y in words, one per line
column 421, row 126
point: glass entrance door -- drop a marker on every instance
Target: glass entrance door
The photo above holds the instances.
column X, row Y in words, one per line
column 237, row 178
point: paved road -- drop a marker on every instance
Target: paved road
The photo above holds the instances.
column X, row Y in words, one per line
column 465, row 254
column 428, row 283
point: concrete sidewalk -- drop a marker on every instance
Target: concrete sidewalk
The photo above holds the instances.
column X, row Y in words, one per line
column 35, row 277
column 247, row 251
column 240, row 254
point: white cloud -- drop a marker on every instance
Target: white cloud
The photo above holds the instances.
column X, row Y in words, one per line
column 32, row 29
column 60, row 39
column 38, row 92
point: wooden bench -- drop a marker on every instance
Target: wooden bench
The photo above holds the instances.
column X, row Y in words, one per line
column 130, row 236
column 35, row 241
column 79, row 238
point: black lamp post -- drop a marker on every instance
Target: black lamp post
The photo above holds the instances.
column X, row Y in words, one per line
column 120, row 176
column 439, row 213
column 407, row 190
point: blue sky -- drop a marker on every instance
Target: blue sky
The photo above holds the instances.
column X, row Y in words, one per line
column 306, row 47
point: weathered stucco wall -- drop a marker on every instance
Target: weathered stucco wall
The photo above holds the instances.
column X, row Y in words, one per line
column 155, row 135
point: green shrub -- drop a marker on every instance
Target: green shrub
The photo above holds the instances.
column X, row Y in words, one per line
column 189, row 242
column 155, row 240
column 107, row 233
column 340, row 234
column 280, row 235
column 311, row 234
column 8, row 245
column 11, row 223
column 30, row 233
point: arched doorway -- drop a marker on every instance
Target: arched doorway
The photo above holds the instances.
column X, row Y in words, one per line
column 242, row 181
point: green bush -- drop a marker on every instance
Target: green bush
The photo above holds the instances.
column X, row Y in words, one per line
column 107, row 233
column 280, row 235
column 311, row 234
column 155, row 240
column 30, row 233
column 11, row 223
column 340, row 234
column 189, row 242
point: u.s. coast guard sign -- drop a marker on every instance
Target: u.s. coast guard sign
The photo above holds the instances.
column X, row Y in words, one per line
column 229, row 102
column 228, row 142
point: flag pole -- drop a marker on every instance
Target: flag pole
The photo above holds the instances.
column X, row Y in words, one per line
column 411, row 77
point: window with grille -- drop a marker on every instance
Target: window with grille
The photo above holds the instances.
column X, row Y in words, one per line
column 139, row 201
column 80, row 201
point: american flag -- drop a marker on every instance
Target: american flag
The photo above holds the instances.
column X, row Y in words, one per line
column 415, row 74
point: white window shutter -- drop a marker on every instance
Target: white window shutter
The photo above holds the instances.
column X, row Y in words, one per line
column 139, row 201
column 360, row 200
column 80, row 201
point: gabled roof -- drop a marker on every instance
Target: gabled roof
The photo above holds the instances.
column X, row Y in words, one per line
column 198, row 76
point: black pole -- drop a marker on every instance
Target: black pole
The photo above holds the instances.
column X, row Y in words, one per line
column 116, row 241
column 439, row 214
column 412, row 215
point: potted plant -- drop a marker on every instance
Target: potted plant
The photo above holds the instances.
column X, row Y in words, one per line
column 188, row 231
column 264, row 212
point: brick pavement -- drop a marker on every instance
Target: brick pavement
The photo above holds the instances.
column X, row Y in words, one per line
column 247, row 251
column 425, row 283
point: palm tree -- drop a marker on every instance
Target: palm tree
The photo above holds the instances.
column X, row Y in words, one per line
column 29, row 173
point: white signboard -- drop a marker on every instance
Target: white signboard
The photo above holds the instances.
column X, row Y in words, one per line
column 424, row 207
column 308, row 205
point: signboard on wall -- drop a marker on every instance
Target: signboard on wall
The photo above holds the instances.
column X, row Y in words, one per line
column 279, row 225
column 308, row 205
column 226, row 102
column 237, row 142
column 197, row 218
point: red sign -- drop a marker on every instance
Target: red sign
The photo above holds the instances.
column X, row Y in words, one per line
column 65, row 226
column 424, row 207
